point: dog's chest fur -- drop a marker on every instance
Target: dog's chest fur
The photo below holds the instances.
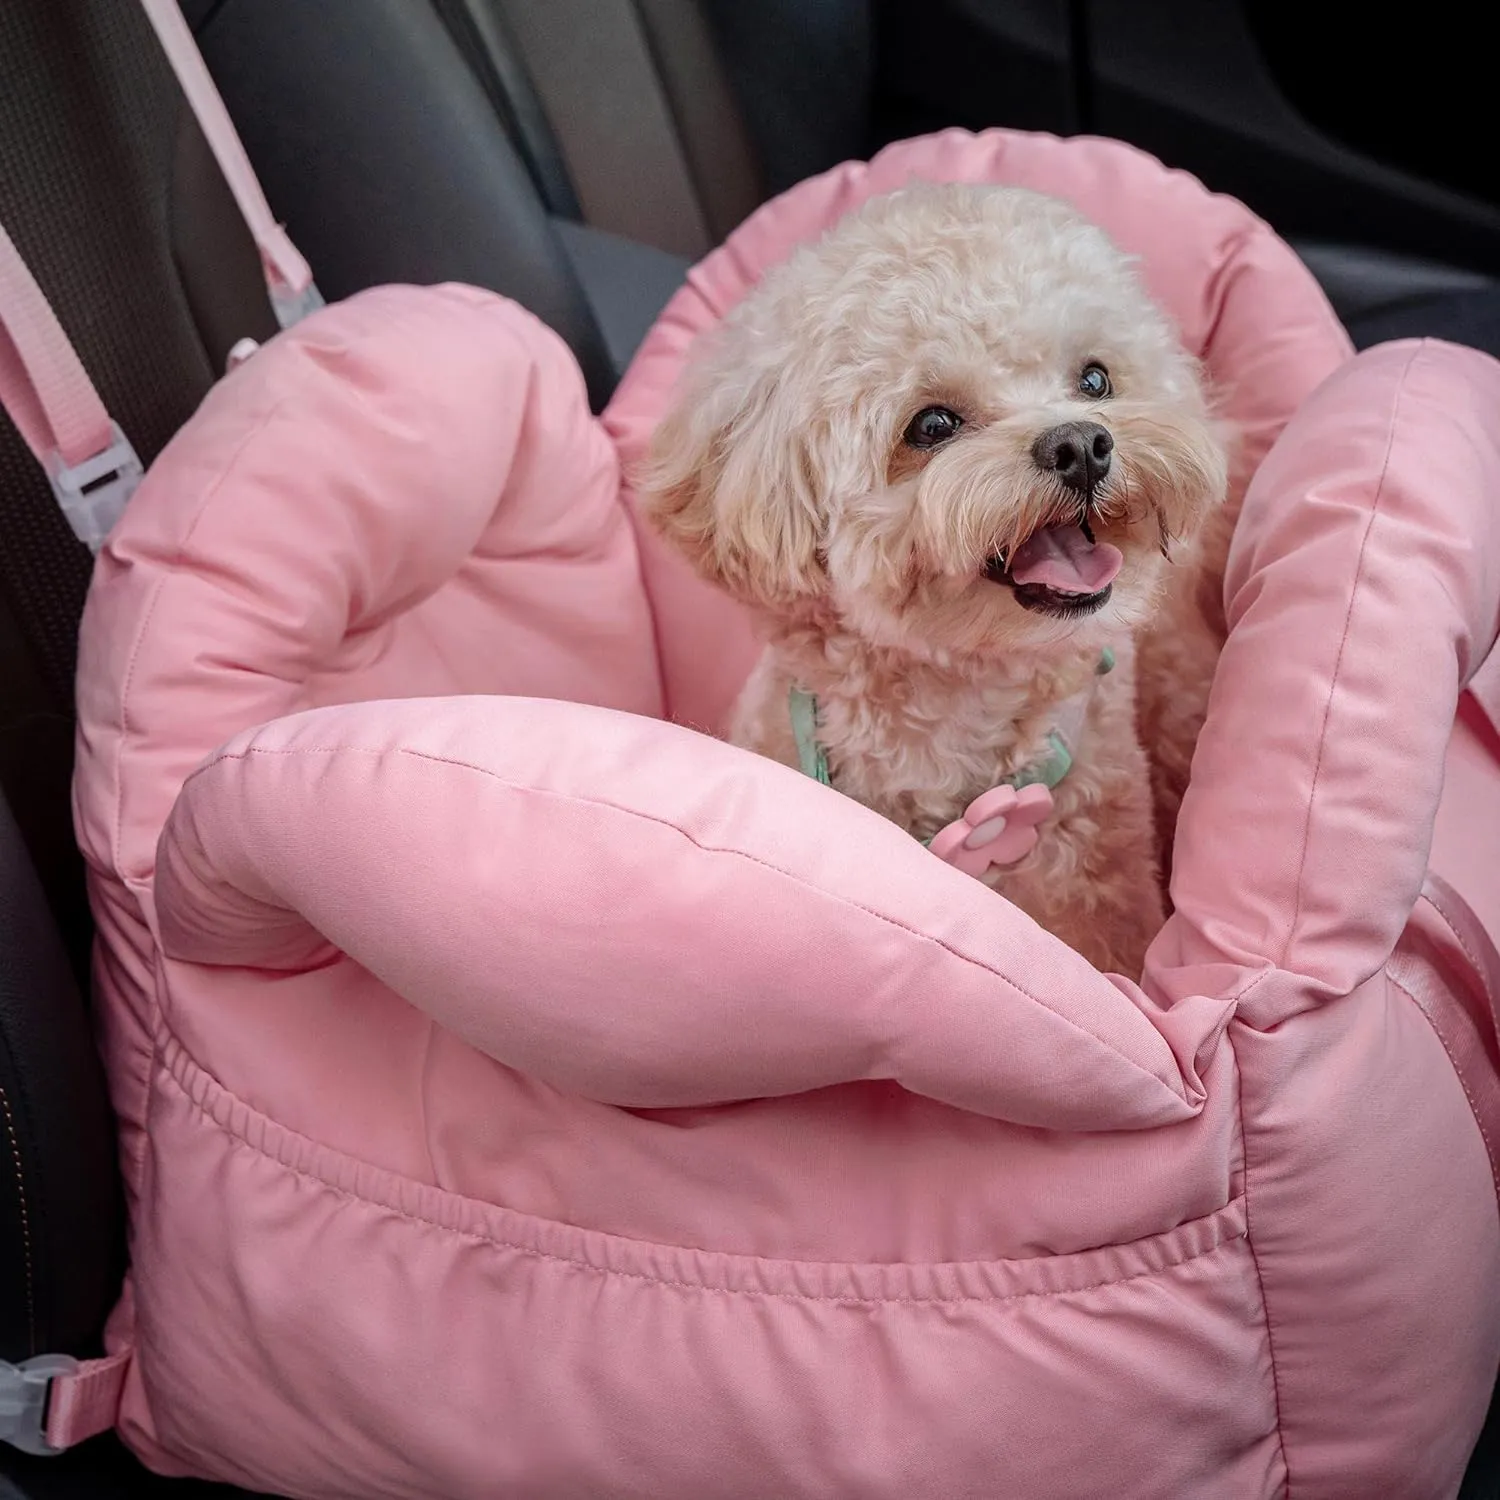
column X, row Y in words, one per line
column 917, row 742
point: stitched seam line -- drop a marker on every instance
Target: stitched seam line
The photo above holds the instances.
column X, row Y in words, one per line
column 674, row 1283
column 26, row 1252
column 573, row 797
column 1260, row 1279
column 1333, row 683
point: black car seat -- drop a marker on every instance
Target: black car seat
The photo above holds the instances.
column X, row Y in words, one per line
column 574, row 154
column 395, row 137
column 648, row 129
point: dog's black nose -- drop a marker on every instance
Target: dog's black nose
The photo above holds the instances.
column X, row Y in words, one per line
column 1077, row 452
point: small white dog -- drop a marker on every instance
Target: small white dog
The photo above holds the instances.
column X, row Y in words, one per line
column 947, row 454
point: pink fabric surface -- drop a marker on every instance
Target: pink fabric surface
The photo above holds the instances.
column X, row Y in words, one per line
column 524, row 1096
column 328, row 528
column 619, row 846
column 1363, row 592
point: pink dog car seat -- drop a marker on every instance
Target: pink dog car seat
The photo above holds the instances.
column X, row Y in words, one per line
column 525, row 1095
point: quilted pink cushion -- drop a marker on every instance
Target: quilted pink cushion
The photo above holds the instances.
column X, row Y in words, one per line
column 523, row 1095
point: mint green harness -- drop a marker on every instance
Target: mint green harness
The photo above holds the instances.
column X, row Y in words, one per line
column 1047, row 770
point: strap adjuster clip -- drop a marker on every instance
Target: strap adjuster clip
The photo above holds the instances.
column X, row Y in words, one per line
column 93, row 494
column 24, row 1390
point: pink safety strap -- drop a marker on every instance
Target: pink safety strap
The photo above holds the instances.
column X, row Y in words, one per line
column 1470, row 1033
column 43, row 384
column 288, row 277
column 84, row 1403
column 44, row 387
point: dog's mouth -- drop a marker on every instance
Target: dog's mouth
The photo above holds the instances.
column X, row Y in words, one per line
column 1059, row 570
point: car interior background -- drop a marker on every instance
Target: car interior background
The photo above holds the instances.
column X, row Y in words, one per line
column 577, row 156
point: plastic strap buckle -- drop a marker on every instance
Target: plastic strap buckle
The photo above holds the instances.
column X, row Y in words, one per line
column 92, row 494
column 24, row 1390
column 292, row 306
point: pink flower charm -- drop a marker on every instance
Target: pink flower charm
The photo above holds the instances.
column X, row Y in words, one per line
column 998, row 828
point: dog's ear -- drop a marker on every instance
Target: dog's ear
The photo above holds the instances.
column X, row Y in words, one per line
column 731, row 482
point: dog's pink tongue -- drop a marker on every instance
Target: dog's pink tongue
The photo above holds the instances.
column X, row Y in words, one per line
column 1063, row 558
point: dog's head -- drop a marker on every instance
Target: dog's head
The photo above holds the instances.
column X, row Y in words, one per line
column 957, row 421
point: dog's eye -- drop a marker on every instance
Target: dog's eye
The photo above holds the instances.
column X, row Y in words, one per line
column 931, row 426
column 1093, row 382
